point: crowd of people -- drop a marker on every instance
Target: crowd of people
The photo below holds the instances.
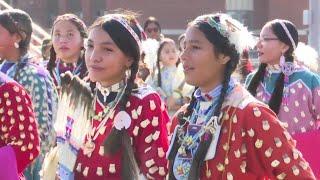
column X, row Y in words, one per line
column 115, row 100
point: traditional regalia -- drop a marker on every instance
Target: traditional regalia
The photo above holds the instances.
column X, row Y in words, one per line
column 80, row 152
column 38, row 83
column 19, row 140
column 62, row 67
column 248, row 141
column 300, row 108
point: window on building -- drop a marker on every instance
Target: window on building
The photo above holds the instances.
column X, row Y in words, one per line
column 242, row 10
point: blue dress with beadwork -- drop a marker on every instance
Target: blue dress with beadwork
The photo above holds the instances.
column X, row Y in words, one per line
column 37, row 81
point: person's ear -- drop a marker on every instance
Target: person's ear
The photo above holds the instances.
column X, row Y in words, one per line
column 223, row 59
column 129, row 63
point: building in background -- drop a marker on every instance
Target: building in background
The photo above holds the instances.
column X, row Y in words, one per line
column 172, row 14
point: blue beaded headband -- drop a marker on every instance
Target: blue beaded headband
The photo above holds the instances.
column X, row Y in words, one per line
column 230, row 28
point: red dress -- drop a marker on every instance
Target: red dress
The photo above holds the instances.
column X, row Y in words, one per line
column 253, row 144
column 17, row 123
column 148, row 134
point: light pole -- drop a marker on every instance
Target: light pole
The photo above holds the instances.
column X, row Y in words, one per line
column 314, row 25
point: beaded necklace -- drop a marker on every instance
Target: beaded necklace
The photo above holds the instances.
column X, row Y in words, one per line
column 189, row 141
column 76, row 70
column 102, row 116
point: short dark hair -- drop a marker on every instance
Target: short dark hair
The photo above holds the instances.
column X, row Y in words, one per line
column 151, row 20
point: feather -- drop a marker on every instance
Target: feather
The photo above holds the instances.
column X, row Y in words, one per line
column 73, row 118
column 306, row 56
column 150, row 48
column 50, row 165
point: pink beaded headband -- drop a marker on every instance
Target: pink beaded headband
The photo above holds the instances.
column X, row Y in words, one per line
column 125, row 24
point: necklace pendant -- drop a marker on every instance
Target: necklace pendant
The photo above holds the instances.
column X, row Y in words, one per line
column 182, row 151
column 88, row 148
column 212, row 130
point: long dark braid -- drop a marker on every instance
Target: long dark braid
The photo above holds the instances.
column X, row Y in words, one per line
column 118, row 139
column 81, row 63
column 159, row 70
column 52, row 61
column 276, row 97
column 257, row 78
column 182, row 120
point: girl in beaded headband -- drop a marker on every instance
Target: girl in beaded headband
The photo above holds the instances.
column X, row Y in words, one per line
column 285, row 85
column 114, row 45
column 225, row 133
column 67, row 51
column 127, row 135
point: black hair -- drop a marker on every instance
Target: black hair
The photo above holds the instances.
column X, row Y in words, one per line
column 276, row 97
column 181, row 38
column 130, row 47
column 161, row 46
column 19, row 22
column 46, row 44
column 222, row 45
column 151, row 20
column 75, row 20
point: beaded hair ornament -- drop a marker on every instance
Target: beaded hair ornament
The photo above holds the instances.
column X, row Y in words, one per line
column 305, row 54
column 230, row 28
column 287, row 68
column 125, row 24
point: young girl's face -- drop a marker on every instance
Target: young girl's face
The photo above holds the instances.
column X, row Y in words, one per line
column 7, row 41
column 67, row 41
column 153, row 31
column 169, row 54
column 203, row 67
column 106, row 63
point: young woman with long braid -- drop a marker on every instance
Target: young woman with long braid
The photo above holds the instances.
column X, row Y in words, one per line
column 291, row 90
column 67, row 51
column 127, row 136
column 225, row 133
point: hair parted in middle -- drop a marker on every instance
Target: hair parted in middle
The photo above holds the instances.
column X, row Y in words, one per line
column 82, row 28
column 161, row 45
